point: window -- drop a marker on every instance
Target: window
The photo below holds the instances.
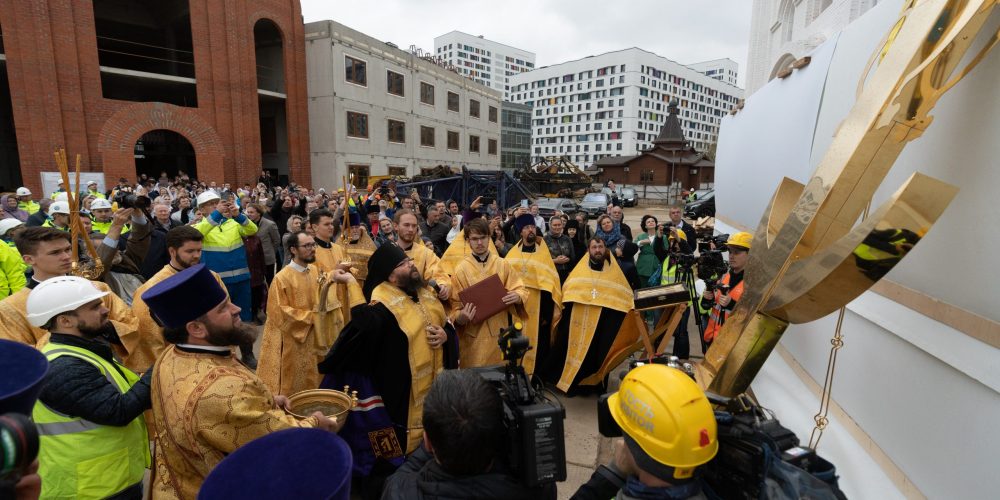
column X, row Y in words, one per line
column 397, row 171
column 426, row 93
column 453, row 140
column 473, row 143
column 491, row 146
column 427, row 136
column 359, row 174
column 493, row 114
column 452, row 102
column 397, row 131
column 473, row 108
column 357, row 125
column 394, row 83
column 355, row 71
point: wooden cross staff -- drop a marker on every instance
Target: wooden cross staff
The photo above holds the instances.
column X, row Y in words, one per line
column 76, row 227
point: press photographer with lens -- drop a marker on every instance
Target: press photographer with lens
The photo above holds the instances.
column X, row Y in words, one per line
column 669, row 432
column 724, row 297
column 22, row 370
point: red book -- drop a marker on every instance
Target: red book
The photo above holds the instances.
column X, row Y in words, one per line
column 487, row 295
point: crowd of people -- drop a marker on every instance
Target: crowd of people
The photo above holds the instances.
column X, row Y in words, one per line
column 369, row 288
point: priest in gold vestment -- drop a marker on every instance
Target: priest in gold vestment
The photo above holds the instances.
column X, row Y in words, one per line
column 206, row 403
column 425, row 260
column 184, row 248
column 330, row 255
column 303, row 319
column 533, row 264
column 49, row 253
column 478, row 341
column 596, row 298
column 390, row 353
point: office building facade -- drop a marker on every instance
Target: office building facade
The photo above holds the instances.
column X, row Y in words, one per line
column 485, row 61
column 377, row 110
column 515, row 135
column 614, row 104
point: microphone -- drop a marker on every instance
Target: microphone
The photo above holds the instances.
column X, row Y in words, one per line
column 433, row 284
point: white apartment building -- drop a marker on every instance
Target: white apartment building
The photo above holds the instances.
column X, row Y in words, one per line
column 724, row 70
column 377, row 110
column 782, row 31
column 485, row 61
column 614, row 104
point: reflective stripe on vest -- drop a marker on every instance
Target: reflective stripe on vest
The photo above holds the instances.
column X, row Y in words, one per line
column 83, row 459
column 235, row 272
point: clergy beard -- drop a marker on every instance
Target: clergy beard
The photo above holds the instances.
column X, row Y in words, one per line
column 412, row 283
column 530, row 239
column 233, row 335
column 599, row 260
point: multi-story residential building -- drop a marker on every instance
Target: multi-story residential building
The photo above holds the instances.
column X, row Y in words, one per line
column 724, row 70
column 515, row 135
column 485, row 61
column 614, row 104
column 782, row 31
column 377, row 110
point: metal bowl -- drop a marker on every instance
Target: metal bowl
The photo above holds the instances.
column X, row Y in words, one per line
column 331, row 403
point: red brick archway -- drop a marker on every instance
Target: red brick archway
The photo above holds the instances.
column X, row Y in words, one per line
column 120, row 132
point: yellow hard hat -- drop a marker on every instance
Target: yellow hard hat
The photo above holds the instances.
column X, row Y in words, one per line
column 668, row 418
column 740, row 239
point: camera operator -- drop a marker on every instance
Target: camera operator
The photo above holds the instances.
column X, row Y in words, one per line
column 669, row 430
column 462, row 450
column 723, row 299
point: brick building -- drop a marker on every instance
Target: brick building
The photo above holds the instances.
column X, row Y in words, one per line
column 214, row 88
column 671, row 161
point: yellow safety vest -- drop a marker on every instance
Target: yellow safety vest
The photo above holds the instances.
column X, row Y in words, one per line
column 82, row 459
column 103, row 227
column 28, row 206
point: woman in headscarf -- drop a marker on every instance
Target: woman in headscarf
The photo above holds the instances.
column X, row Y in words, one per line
column 608, row 231
column 10, row 209
column 578, row 239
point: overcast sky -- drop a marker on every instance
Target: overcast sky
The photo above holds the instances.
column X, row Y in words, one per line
column 556, row 31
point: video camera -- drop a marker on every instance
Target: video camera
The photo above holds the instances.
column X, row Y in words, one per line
column 719, row 240
column 536, row 447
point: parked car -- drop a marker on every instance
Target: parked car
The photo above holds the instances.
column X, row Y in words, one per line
column 595, row 204
column 629, row 197
column 548, row 206
column 703, row 206
column 618, row 192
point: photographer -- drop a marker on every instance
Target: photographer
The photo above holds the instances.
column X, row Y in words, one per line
column 669, row 430
column 723, row 299
column 462, row 446
column 677, row 260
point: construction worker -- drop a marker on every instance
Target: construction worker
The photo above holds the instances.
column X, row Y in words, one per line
column 723, row 299
column 9, row 228
column 224, row 227
column 60, row 190
column 24, row 201
column 669, row 430
column 103, row 216
column 92, row 191
column 93, row 438
column 58, row 216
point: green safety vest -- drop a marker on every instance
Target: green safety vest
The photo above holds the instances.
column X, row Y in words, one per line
column 103, row 227
column 82, row 459
column 668, row 276
column 48, row 223
column 28, row 206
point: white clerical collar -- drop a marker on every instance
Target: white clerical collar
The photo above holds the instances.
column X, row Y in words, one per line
column 206, row 347
column 298, row 267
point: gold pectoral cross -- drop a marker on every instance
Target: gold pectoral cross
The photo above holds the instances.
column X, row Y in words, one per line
column 593, row 293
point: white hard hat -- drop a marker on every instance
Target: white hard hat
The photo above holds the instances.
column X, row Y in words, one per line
column 59, row 295
column 206, row 197
column 92, row 183
column 63, row 196
column 99, row 204
column 23, row 191
column 59, row 207
column 8, row 224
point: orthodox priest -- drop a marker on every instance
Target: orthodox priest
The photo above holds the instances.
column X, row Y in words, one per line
column 184, row 247
column 390, row 353
column 329, row 255
column 426, row 261
column 478, row 340
column 206, row 403
column 303, row 319
column 532, row 262
column 596, row 298
column 358, row 247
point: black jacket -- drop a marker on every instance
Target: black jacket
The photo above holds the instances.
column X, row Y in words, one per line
column 421, row 477
column 77, row 388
